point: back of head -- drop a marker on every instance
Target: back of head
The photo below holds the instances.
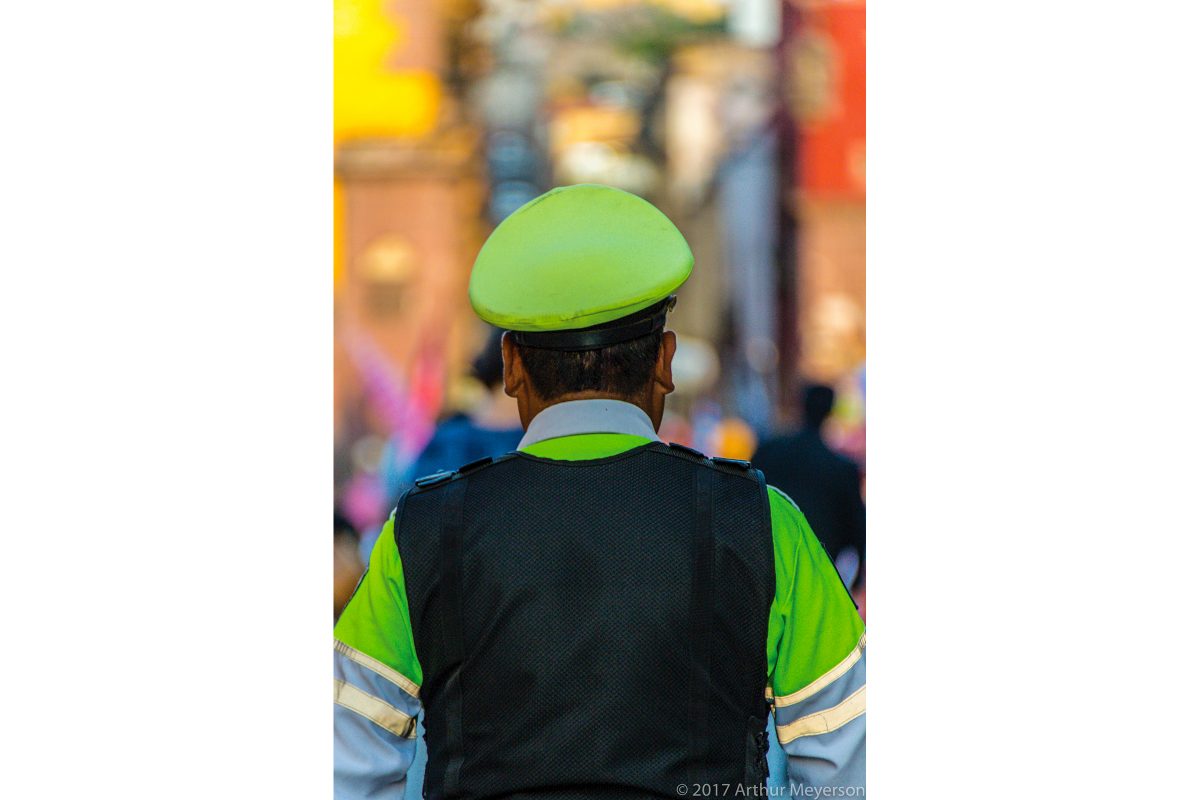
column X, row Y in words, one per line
column 623, row 369
column 818, row 404
column 583, row 278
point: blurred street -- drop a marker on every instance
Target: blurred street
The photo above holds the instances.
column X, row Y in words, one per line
column 743, row 121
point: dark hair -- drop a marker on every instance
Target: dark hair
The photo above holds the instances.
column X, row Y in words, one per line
column 818, row 404
column 623, row 369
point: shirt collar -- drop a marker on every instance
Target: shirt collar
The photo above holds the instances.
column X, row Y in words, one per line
column 587, row 416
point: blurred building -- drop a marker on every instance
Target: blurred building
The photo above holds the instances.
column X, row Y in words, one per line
column 824, row 78
column 742, row 120
column 408, row 193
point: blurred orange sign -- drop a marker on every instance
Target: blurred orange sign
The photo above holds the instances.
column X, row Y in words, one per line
column 828, row 70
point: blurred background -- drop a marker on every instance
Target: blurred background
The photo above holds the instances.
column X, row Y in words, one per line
column 743, row 120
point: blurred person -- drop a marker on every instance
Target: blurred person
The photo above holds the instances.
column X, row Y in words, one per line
column 826, row 484
column 599, row 614
column 490, row 428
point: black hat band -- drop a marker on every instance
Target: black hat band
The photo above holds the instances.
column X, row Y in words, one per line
column 638, row 324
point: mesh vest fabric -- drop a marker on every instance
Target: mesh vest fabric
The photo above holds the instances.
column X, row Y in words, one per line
column 593, row 628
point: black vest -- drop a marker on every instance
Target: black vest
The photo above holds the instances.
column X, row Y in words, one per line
column 591, row 628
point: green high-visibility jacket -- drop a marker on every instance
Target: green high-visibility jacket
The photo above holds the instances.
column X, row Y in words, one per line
column 815, row 645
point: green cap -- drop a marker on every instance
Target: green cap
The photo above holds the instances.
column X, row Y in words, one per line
column 578, row 257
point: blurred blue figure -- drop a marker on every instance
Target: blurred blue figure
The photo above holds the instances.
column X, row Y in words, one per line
column 826, row 484
column 491, row 428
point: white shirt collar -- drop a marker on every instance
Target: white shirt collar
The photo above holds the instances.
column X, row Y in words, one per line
column 587, row 416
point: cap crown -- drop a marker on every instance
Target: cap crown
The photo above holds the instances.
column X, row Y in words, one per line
column 577, row 256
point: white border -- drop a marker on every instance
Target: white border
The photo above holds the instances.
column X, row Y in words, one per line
column 166, row 320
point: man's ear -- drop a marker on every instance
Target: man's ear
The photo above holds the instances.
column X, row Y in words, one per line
column 514, row 370
column 662, row 367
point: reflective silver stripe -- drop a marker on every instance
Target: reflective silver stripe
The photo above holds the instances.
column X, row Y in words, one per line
column 379, row 668
column 825, row 721
column 820, row 683
column 385, row 716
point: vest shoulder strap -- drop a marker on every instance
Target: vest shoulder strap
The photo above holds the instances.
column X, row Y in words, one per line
column 445, row 475
column 734, row 466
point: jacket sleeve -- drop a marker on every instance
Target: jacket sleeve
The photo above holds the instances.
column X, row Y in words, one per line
column 816, row 656
column 376, row 682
